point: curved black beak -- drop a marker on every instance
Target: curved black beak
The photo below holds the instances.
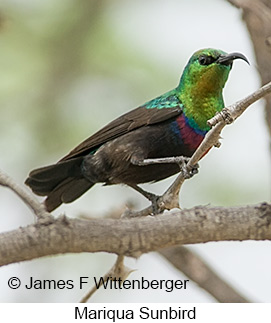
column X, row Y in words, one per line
column 228, row 59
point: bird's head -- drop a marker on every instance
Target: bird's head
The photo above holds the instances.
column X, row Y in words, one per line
column 208, row 69
column 202, row 82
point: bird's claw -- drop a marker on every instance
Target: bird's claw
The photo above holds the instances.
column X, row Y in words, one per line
column 154, row 202
column 187, row 172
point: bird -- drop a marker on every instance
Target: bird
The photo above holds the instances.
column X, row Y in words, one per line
column 142, row 145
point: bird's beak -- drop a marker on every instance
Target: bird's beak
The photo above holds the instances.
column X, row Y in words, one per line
column 229, row 58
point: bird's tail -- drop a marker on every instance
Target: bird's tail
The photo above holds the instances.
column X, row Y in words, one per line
column 61, row 183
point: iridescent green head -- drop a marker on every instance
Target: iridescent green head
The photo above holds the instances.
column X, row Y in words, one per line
column 202, row 82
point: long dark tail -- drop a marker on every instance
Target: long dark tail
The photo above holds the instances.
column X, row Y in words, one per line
column 61, row 183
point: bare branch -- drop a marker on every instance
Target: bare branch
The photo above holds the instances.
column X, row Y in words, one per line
column 197, row 270
column 118, row 271
column 194, row 267
column 229, row 114
column 29, row 199
column 133, row 237
column 257, row 16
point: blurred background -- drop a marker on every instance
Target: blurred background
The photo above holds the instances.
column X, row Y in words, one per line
column 69, row 67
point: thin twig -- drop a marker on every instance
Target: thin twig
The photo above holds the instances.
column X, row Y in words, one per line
column 37, row 207
column 118, row 271
column 232, row 112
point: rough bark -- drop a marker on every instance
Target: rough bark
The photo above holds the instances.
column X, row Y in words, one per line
column 257, row 16
column 133, row 237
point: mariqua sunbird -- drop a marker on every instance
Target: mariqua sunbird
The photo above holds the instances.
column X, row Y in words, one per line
column 173, row 124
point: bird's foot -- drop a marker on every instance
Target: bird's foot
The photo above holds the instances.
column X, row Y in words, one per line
column 187, row 172
column 151, row 197
column 154, row 202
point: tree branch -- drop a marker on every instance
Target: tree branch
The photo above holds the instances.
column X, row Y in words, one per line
column 118, row 271
column 133, row 237
column 197, row 270
column 29, row 199
column 257, row 16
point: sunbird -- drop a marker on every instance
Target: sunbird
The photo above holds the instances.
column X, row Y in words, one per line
column 136, row 147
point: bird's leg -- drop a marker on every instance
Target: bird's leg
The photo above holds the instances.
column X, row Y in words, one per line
column 180, row 160
column 150, row 196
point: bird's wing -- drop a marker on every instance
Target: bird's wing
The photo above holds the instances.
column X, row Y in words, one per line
column 134, row 119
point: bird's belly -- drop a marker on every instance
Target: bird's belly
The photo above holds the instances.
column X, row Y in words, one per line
column 145, row 174
column 111, row 164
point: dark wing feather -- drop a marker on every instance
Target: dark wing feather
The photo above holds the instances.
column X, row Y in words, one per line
column 134, row 119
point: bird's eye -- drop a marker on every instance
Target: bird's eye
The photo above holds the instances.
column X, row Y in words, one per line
column 206, row 60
